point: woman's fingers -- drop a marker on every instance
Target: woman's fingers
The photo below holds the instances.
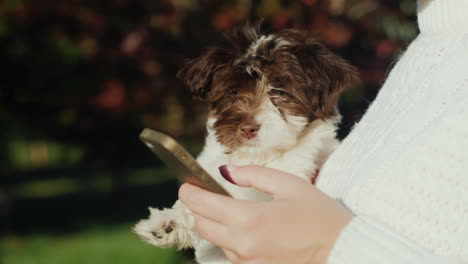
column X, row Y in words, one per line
column 216, row 207
column 214, row 232
column 273, row 182
column 233, row 257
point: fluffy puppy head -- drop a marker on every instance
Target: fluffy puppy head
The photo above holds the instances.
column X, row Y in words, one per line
column 264, row 89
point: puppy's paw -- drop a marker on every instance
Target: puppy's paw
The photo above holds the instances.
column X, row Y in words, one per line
column 160, row 229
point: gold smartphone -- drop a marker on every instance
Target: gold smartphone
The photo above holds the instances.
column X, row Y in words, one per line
column 180, row 161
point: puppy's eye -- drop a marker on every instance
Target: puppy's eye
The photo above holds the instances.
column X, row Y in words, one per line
column 261, row 59
column 234, row 92
column 277, row 92
column 255, row 75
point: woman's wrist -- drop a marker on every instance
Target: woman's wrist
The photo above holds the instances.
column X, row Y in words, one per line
column 322, row 254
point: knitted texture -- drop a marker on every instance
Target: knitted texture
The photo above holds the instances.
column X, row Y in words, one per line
column 405, row 164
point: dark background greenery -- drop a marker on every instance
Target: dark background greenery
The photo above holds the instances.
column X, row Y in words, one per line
column 79, row 79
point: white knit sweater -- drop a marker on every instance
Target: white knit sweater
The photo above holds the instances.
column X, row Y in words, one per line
column 403, row 170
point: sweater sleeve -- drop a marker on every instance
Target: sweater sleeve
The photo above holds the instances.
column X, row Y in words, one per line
column 365, row 242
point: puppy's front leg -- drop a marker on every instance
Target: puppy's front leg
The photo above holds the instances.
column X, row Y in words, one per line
column 168, row 227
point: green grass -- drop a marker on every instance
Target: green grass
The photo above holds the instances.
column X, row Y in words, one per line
column 113, row 245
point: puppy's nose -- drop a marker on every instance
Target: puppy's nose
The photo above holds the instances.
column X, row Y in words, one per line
column 249, row 129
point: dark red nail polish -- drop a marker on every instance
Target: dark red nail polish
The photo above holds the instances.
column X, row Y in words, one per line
column 224, row 170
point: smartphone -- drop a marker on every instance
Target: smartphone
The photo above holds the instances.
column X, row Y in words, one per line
column 179, row 160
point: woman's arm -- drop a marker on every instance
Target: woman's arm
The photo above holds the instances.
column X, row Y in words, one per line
column 300, row 225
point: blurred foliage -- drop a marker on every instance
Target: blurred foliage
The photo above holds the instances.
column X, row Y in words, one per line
column 79, row 79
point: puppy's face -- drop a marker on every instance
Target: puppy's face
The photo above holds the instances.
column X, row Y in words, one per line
column 265, row 89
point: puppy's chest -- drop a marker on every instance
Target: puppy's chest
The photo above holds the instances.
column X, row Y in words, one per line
column 252, row 160
column 292, row 164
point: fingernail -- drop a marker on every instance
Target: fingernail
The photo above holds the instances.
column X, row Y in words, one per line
column 226, row 171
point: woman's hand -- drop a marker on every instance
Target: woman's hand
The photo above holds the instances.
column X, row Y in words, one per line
column 300, row 225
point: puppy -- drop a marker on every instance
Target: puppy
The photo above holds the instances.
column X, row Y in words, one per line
column 273, row 103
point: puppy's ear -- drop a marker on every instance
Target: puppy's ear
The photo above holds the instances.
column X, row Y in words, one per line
column 198, row 73
column 327, row 75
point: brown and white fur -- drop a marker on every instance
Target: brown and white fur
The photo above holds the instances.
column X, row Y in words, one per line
column 273, row 103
